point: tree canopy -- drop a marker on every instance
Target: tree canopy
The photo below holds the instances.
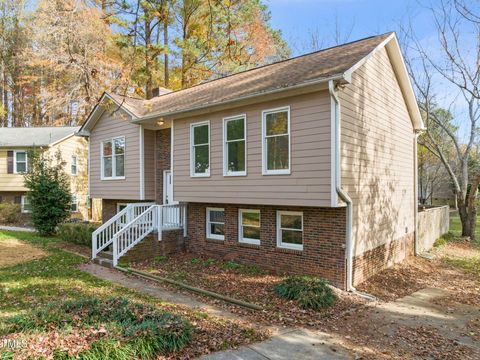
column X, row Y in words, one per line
column 58, row 56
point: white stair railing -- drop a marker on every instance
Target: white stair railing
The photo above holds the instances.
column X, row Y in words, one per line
column 103, row 236
column 134, row 232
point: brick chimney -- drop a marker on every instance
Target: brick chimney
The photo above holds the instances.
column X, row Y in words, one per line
column 159, row 91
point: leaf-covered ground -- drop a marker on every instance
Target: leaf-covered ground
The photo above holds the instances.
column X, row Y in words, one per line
column 35, row 284
column 247, row 283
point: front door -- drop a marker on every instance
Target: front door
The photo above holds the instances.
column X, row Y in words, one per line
column 167, row 188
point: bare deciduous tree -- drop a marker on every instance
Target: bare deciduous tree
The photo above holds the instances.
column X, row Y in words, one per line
column 458, row 30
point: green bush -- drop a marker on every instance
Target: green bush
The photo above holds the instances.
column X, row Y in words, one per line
column 48, row 191
column 137, row 330
column 9, row 213
column 77, row 233
column 310, row 293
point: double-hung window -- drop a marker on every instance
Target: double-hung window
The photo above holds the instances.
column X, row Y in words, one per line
column 113, row 158
column 73, row 165
column 200, row 149
column 216, row 223
column 290, row 230
column 74, row 204
column 26, row 207
column 276, row 141
column 234, row 150
column 249, row 226
column 20, row 162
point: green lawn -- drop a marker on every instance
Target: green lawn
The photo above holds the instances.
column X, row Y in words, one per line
column 456, row 226
column 50, row 298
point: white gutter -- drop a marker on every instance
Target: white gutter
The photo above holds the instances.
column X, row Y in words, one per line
column 338, row 185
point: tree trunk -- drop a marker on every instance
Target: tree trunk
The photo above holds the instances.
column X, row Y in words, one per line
column 165, row 55
column 148, row 67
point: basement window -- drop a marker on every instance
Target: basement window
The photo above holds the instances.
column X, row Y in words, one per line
column 216, row 223
column 290, row 230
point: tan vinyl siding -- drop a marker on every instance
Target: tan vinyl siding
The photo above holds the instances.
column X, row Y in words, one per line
column 309, row 181
column 377, row 155
column 77, row 146
column 9, row 182
column 149, row 156
column 109, row 126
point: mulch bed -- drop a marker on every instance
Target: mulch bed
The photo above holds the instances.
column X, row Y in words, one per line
column 248, row 284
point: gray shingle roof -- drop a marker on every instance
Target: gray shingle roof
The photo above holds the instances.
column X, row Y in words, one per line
column 316, row 66
column 34, row 136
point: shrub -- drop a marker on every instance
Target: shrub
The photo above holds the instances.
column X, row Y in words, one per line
column 310, row 293
column 143, row 331
column 9, row 213
column 77, row 233
column 49, row 191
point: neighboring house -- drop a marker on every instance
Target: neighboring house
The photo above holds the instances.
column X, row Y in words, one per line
column 302, row 166
column 14, row 146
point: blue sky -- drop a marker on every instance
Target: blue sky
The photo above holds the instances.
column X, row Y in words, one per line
column 298, row 18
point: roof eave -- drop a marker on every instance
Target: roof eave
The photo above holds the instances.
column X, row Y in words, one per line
column 337, row 77
column 94, row 115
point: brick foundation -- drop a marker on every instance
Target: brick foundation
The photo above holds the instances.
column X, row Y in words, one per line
column 323, row 251
column 382, row 257
column 172, row 242
column 109, row 207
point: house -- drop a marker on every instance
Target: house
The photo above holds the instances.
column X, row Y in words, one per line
column 14, row 145
column 302, row 166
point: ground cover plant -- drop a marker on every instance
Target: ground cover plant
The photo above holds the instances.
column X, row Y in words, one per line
column 139, row 330
column 309, row 292
column 55, row 310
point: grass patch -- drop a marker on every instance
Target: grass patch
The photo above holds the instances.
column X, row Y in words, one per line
column 310, row 293
column 134, row 330
column 471, row 265
column 51, row 298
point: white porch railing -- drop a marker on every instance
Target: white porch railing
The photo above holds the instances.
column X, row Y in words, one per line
column 103, row 236
column 134, row 232
column 134, row 223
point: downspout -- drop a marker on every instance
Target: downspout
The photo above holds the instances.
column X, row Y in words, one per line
column 338, row 186
column 415, row 192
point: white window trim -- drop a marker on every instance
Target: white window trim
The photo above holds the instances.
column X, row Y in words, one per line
column 76, row 165
column 281, row 244
column 265, row 171
column 207, row 224
column 15, row 161
column 24, row 198
column 74, row 197
column 225, row 148
column 192, row 158
column 120, row 204
column 240, row 227
column 114, row 166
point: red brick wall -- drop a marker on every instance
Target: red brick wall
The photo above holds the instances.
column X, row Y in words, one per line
column 172, row 242
column 323, row 252
column 109, row 207
column 162, row 160
column 383, row 256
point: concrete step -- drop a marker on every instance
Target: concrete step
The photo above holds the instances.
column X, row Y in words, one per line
column 106, row 255
column 108, row 263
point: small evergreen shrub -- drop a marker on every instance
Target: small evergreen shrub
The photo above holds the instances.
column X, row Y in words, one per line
column 48, row 191
column 137, row 330
column 77, row 233
column 9, row 213
column 310, row 293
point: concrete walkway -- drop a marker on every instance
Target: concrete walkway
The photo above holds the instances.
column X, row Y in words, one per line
column 16, row 228
column 291, row 344
column 149, row 288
